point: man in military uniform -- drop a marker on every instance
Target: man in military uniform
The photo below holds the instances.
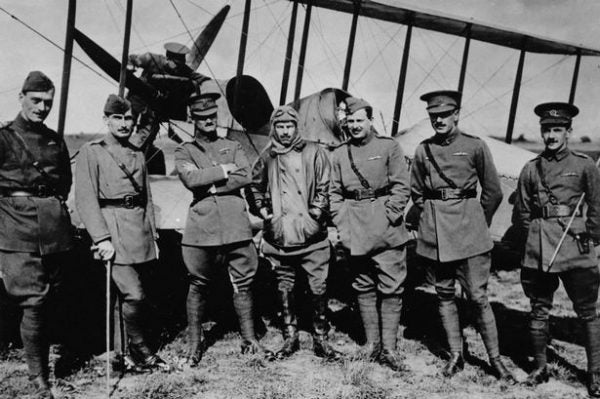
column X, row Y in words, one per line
column 453, row 226
column 35, row 228
column 369, row 190
column 290, row 192
column 218, row 228
column 172, row 64
column 114, row 202
column 548, row 208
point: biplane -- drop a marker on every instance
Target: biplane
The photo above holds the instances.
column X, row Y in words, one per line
column 245, row 105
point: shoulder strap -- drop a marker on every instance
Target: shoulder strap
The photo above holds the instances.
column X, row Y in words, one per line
column 361, row 178
column 437, row 167
column 540, row 171
column 122, row 166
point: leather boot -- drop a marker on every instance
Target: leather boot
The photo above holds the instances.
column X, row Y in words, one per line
column 593, row 385
column 243, row 304
column 538, row 331
column 195, row 305
column 454, row 365
column 145, row 358
column 321, row 347
column 42, row 388
column 35, row 344
column 501, row 372
column 291, row 341
column 592, row 349
column 391, row 307
column 367, row 304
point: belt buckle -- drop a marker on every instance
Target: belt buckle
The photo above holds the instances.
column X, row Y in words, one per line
column 128, row 201
column 444, row 194
column 365, row 193
column 42, row 190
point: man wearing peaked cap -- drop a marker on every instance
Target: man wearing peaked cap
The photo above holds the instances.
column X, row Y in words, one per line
column 290, row 192
column 35, row 239
column 147, row 114
column 112, row 195
column 369, row 190
column 203, row 104
column 442, row 101
column 547, row 196
column 215, row 170
column 453, row 224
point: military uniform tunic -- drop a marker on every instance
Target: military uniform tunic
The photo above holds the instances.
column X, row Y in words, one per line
column 214, row 218
column 98, row 176
column 367, row 226
column 455, row 229
column 568, row 174
column 34, row 223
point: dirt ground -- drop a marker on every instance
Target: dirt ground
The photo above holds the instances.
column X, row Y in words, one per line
column 227, row 374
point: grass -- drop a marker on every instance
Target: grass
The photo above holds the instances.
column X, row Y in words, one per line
column 227, row 374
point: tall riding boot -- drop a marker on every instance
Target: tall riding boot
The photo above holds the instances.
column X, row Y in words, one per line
column 391, row 307
column 321, row 346
column 33, row 335
column 592, row 350
column 291, row 341
column 196, row 303
column 489, row 334
column 449, row 317
column 538, row 331
column 142, row 355
column 243, row 304
column 367, row 303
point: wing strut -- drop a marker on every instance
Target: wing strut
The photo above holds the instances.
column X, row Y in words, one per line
column 515, row 98
column 402, row 79
column 303, row 50
column 66, row 75
column 242, row 51
column 465, row 58
column 125, row 56
column 575, row 76
column 288, row 55
column 351, row 45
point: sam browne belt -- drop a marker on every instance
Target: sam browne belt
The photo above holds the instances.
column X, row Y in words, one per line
column 128, row 201
column 367, row 193
column 549, row 211
column 449, row 194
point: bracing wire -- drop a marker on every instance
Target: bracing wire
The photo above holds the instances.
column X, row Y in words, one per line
column 53, row 43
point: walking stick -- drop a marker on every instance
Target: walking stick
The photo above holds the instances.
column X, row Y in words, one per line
column 564, row 234
column 108, row 264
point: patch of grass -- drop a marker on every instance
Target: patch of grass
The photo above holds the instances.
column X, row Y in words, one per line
column 166, row 386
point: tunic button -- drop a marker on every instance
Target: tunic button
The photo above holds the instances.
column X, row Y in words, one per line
column 299, row 192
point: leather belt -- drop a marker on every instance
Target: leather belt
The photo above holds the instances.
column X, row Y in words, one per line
column 36, row 191
column 366, row 193
column 449, row 193
column 550, row 211
column 128, row 201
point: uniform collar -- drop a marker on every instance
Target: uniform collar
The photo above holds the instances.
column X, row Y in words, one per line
column 556, row 156
column 112, row 140
column 203, row 140
column 446, row 139
column 364, row 141
column 25, row 125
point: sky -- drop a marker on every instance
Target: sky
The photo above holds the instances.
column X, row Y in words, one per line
column 434, row 59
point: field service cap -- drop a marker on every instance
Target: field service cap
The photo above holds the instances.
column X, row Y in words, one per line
column 354, row 104
column 37, row 81
column 116, row 105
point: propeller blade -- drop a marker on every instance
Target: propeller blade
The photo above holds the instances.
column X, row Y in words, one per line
column 206, row 38
column 112, row 67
